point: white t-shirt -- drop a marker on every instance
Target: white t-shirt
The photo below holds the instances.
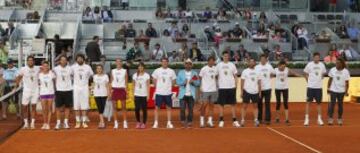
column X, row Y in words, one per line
column 226, row 72
column 251, row 78
column 164, row 79
column 187, row 87
column 47, row 83
column 265, row 72
column 100, row 85
column 118, row 78
column 30, row 78
column 208, row 79
column 141, row 88
column 338, row 79
column 82, row 74
column 63, row 78
column 316, row 73
column 282, row 79
column 158, row 54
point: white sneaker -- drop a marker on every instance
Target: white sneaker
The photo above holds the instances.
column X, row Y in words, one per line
column 77, row 125
column 221, row 124
column 125, row 125
column 340, row 122
column 26, row 125
column 169, row 125
column 306, row 122
column 156, row 125
column 57, row 126
column 330, row 121
column 320, row 122
column 32, row 125
column 116, row 125
column 236, row 124
column 43, row 127
column 256, row 123
column 210, row 124
column 202, row 122
column 84, row 125
column 47, row 127
column 66, row 126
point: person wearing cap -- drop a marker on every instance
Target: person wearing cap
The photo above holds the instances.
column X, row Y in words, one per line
column 188, row 81
column 9, row 76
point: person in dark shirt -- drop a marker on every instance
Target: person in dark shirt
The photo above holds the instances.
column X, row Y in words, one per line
column 195, row 53
column 207, row 13
column 130, row 32
column 92, row 50
column 150, row 31
column 59, row 45
column 236, row 32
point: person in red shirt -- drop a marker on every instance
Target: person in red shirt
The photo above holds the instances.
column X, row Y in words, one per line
column 332, row 6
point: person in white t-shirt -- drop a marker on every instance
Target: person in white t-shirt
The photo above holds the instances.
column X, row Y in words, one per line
column 227, row 79
column 47, row 93
column 250, row 90
column 141, row 82
column 338, row 87
column 314, row 74
column 164, row 79
column 101, row 91
column 119, row 83
column 282, row 89
column 29, row 77
column 64, row 92
column 266, row 71
column 208, row 91
column 82, row 74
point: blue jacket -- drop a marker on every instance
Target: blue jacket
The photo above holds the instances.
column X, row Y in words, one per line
column 181, row 82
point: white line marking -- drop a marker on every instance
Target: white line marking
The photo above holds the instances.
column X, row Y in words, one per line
column 293, row 140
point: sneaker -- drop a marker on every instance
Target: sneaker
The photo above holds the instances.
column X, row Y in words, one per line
column 320, row 122
column 57, row 126
column 84, row 125
column 43, row 127
column 221, row 124
column 66, row 126
column 210, row 124
column 277, row 120
column 330, row 121
column 125, row 125
column 47, row 127
column 340, row 122
column 77, row 125
column 116, row 125
column 32, row 126
column 242, row 123
column 236, row 124
column 189, row 125
column 101, row 125
column 156, row 125
column 306, row 122
column 138, row 125
column 26, row 126
column 169, row 125
column 256, row 123
column 142, row 126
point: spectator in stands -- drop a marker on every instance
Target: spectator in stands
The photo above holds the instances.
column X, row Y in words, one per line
column 237, row 32
column 174, row 57
column 188, row 14
column 334, row 51
column 147, row 52
column 168, row 13
column 195, row 53
column 207, row 13
column 302, row 37
column 247, row 15
column 353, row 32
column 88, row 14
column 240, row 53
column 271, row 30
column 150, row 31
column 185, row 30
column 125, row 4
column 342, row 32
column 166, row 33
column 159, row 13
column 27, row 4
column 332, row 6
column 4, row 52
column 120, row 34
column 346, row 53
column 106, row 14
column 278, row 54
column 218, row 36
column 231, row 53
column 282, row 31
column 261, row 28
column 262, row 17
column 35, row 16
column 59, row 45
column 323, row 35
column 209, row 34
column 173, row 29
column 330, row 58
column 135, row 53
column 259, row 35
column 142, row 35
column 97, row 14
column 278, row 37
column 183, row 51
column 158, row 53
column 222, row 16
column 130, row 32
column 92, row 50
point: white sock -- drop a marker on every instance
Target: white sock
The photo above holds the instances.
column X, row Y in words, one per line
column 77, row 118
column 306, row 116
column 210, row 119
column 84, row 119
column 202, row 118
column 33, row 121
column 319, row 117
column 169, row 122
column 25, row 120
column 116, row 122
column 66, row 121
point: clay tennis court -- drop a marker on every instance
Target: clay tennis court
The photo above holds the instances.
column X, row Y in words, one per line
column 276, row 138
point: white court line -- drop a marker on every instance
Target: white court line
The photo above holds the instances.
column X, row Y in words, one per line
column 293, row 140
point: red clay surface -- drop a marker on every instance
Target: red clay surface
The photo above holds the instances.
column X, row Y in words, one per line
column 179, row 140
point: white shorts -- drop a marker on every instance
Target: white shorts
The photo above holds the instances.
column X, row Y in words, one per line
column 81, row 98
column 30, row 97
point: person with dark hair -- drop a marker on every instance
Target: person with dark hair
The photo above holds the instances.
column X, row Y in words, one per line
column 227, row 79
column 82, row 73
column 28, row 75
column 150, row 31
column 93, row 50
column 314, row 75
column 59, row 45
column 338, row 87
column 141, row 92
column 106, row 14
column 266, row 72
column 130, row 32
column 101, row 92
column 158, row 53
column 195, row 53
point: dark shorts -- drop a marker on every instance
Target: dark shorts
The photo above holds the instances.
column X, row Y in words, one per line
column 227, row 96
column 160, row 99
column 118, row 94
column 314, row 94
column 64, row 98
column 247, row 97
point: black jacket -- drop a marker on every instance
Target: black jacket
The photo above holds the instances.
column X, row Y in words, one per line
column 93, row 51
